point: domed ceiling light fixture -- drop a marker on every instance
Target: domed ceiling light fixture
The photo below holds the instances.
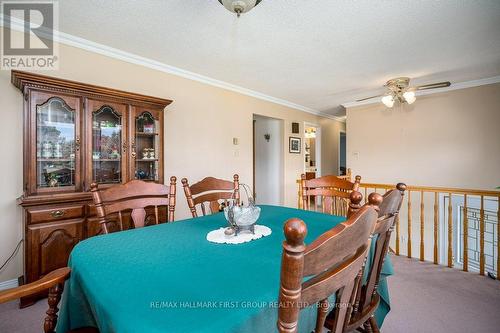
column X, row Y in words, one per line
column 239, row 6
column 399, row 90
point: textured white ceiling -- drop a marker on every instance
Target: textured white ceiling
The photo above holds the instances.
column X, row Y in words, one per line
column 316, row 53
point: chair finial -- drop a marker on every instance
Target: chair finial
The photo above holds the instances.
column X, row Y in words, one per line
column 401, row 187
column 93, row 187
column 295, row 231
column 355, row 197
column 375, row 199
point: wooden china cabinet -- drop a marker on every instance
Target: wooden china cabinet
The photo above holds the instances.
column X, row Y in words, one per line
column 76, row 134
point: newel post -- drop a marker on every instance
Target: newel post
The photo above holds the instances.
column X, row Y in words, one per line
column 292, row 268
column 402, row 188
column 171, row 198
column 357, row 183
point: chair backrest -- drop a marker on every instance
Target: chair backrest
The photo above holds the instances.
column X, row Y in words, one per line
column 332, row 262
column 212, row 191
column 142, row 200
column 331, row 192
column 367, row 298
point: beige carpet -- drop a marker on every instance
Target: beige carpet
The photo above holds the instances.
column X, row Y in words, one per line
column 429, row 298
column 424, row 298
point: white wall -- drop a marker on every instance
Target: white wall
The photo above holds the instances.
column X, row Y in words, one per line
column 268, row 161
column 446, row 139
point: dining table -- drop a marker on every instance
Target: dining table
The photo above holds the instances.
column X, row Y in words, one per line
column 169, row 278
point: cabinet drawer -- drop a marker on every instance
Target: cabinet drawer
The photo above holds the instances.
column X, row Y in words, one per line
column 48, row 214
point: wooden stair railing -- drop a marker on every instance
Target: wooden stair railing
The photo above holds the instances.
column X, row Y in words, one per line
column 442, row 213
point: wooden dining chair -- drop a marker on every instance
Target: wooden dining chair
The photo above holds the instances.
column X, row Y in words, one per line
column 331, row 263
column 367, row 299
column 212, row 191
column 134, row 204
column 331, row 192
column 54, row 283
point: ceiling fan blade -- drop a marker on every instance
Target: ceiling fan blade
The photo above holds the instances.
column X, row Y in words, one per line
column 364, row 99
column 433, row 85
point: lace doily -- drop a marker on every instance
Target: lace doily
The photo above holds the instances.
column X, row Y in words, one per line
column 218, row 236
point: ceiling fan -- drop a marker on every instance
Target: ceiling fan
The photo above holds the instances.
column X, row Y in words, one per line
column 399, row 89
column 239, row 6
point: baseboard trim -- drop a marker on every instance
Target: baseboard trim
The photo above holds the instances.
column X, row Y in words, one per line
column 9, row 284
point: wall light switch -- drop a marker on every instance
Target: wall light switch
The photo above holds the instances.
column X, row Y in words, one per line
column 235, row 141
column 355, row 154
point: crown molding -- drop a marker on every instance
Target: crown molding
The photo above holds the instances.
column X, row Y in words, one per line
column 454, row 86
column 112, row 52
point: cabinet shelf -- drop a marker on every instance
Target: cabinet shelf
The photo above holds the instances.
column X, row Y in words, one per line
column 55, row 159
column 145, row 134
column 146, row 160
column 107, row 160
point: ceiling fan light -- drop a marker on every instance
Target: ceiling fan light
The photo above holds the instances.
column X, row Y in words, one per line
column 239, row 6
column 388, row 101
column 409, row 97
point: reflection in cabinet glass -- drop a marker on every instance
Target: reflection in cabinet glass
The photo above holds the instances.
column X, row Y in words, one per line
column 106, row 143
column 55, row 145
column 147, row 147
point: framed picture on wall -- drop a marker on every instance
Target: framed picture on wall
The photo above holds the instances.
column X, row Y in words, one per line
column 294, row 145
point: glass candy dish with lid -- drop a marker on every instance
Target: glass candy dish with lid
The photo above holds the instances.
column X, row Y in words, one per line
column 241, row 217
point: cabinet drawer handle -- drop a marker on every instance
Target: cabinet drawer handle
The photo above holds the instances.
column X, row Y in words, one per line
column 57, row 213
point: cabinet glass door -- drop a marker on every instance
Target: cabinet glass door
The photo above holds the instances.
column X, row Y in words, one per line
column 146, row 147
column 56, row 144
column 106, row 146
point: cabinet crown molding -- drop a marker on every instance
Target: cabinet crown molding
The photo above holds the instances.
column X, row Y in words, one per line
column 23, row 79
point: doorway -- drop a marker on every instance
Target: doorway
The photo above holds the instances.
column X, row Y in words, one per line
column 342, row 154
column 312, row 149
column 268, row 160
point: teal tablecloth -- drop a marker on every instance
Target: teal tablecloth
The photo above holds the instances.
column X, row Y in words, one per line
column 169, row 278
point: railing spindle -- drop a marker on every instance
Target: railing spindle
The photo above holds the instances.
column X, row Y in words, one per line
column 299, row 202
column 481, row 238
column 409, row 224
column 450, row 233
column 366, row 195
column 498, row 239
column 436, row 221
column 422, row 226
column 397, row 235
column 466, row 237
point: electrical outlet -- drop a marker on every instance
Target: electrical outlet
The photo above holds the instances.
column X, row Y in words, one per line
column 403, row 239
